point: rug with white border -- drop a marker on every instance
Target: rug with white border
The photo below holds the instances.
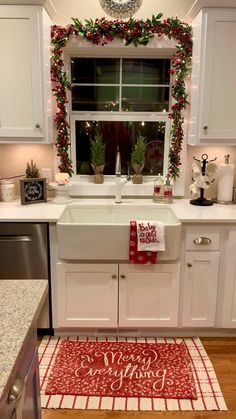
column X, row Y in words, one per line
column 208, row 390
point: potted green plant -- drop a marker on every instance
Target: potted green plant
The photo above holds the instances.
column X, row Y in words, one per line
column 138, row 158
column 97, row 150
column 32, row 187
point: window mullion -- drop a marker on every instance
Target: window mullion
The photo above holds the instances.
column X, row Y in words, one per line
column 120, row 88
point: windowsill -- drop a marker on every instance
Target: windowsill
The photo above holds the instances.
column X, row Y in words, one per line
column 85, row 186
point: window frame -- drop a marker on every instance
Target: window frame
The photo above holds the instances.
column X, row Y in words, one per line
column 119, row 116
column 82, row 49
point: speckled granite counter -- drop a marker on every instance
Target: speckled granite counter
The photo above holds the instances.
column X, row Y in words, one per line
column 21, row 302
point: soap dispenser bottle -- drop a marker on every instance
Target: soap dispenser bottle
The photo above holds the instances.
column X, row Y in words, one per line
column 168, row 197
column 158, row 193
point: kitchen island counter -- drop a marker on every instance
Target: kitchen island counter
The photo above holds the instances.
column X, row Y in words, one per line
column 21, row 303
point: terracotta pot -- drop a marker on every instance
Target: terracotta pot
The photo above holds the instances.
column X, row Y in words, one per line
column 98, row 173
column 137, row 178
column 98, row 178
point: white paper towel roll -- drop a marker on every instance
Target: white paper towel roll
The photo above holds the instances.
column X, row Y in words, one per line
column 225, row 182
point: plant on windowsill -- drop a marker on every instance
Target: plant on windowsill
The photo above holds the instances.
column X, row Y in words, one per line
column 97, row 150
column 32, row 187
column 138, row 158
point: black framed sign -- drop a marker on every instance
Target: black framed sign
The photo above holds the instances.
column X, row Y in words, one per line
column 33, row 190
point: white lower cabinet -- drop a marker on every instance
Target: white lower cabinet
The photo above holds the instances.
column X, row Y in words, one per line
column 112, row 295
column 87, row 295
column 229, row 300
column 200, row 295
column 149, row 295
column 200, row 289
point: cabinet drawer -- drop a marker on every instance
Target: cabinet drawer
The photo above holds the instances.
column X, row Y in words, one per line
column 202, row 239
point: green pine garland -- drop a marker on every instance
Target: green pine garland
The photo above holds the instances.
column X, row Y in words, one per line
column 137, row 32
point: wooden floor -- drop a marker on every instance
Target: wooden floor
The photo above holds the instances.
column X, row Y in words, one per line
column 222, row 352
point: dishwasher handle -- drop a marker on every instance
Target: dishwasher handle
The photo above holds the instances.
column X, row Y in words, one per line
column 15, row 238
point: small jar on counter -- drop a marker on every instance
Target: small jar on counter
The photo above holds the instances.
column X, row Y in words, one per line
column 168, row 197
column 7, row 191
column 158, row 192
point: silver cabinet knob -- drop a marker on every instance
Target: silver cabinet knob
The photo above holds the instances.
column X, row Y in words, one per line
column 189, row 265
column 16, row 390
column 37, row 125
column 122, row 276
column 113, row 276
column 201, row 241
column 205, row 127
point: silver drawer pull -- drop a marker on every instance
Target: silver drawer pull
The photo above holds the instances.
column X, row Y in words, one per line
column 15, row 238
column 202, row 241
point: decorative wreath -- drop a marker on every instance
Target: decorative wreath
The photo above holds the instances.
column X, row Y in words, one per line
column 137, row 32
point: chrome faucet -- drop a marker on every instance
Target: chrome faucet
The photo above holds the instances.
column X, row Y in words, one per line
column 120, row 183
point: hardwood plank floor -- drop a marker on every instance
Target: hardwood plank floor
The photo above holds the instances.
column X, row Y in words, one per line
column 222, row 352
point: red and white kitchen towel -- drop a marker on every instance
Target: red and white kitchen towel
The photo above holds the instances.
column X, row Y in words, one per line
column 146, row 238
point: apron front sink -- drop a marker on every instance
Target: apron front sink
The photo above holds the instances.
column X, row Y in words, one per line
column 101, row 232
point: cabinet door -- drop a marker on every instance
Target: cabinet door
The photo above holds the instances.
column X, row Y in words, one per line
column 148, row 295
column 200, row 288
column 24, row 389
column 213, row 78
column 31, row 408
column 87, row 295
column 229, row 301
column 22, row 79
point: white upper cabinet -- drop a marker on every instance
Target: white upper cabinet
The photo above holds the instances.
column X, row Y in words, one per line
column 25, row 87
column 213, row 81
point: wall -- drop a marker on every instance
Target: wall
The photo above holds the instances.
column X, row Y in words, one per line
column 13, row 158
column 65, row 9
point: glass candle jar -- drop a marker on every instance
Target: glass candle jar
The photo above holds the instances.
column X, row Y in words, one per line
column 7, row 191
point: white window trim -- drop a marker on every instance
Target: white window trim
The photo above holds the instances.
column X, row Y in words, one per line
column 83, row 185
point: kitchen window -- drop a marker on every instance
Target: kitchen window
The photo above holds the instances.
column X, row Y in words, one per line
column 121, row 98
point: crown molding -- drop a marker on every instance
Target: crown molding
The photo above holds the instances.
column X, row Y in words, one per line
column 200, row 4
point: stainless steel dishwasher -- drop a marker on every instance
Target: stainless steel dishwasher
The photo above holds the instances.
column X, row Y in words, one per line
column 24, row 255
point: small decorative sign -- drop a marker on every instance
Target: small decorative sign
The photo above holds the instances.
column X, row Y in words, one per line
column 33, row 190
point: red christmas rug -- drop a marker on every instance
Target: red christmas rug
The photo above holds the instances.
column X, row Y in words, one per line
column 122, row 369
column 127, row 374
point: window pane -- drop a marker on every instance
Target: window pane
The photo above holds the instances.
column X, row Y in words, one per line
column 145, row 99
column 95, row 98
column 95, row 70
column 122, row 134
column 146, row 71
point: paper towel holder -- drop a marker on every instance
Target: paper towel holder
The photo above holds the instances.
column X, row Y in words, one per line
column 201, row 201
column 233, row 200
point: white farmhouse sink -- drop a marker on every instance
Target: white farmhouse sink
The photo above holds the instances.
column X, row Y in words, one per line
column 101, row 232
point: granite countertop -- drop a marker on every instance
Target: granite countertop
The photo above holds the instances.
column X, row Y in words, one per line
column 21, row 302
column 50, row 212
